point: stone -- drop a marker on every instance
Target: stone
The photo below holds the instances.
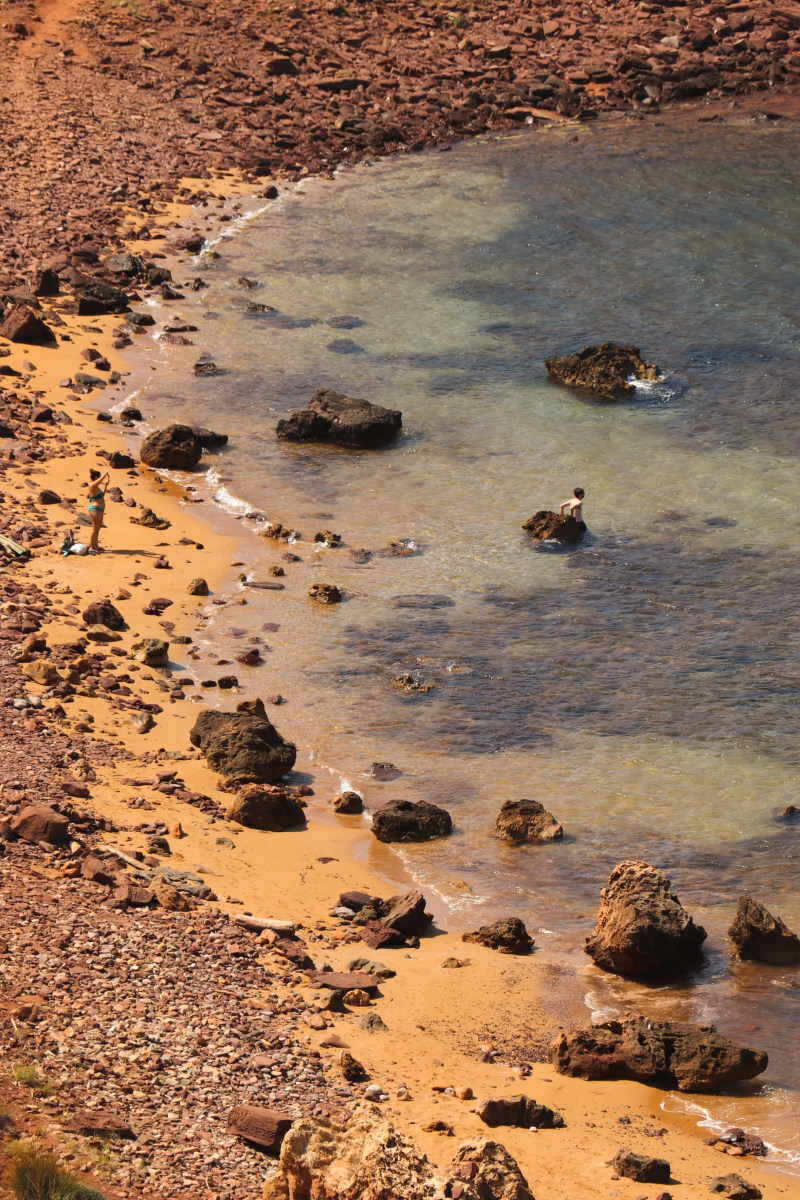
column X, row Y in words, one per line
column 150, row 520
column 210, row 440
column 357, row 998
column 546, row 526
column 22, row 325
column 142, row 722
column 333, row 417
column 370, row 967
column 198, row 587
column 40, row 823
column 756, row 934
column 99, row 633
column 153, row 652
column 604, row 370
column 508, row 935
column 642, row 928
column 169, row 897
column 734, row 1187
column 348, row 803
column 410, row 821
column 97, row 871
column 527, row 821
column 243, row 746
column 689, row 1057
column 406, row 914
column 487, row 1171
column 272, row 809
column 103, row 612
column 42, row 672
column 352, row 1070
column 520, row 1111
column 641, row 1168
column 364, row 1158
column 177, row 447
column 325, row 593
column 346, row 981
column 378, row 936
column 264, row 1127
column 372, row 1023
column 102, row 1122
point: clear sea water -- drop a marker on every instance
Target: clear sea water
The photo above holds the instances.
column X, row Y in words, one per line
column 644, row 685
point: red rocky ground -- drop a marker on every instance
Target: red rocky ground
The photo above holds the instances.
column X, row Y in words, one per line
column 104, row 101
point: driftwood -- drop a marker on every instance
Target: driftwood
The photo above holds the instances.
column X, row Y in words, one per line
column 263, row 1126
column 287, row 928
column 264, row 587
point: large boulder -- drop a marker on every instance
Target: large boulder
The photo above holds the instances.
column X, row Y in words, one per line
column 103, row 612
column 546, row 526
column 758, row 935
column 94, row 296
column 642, row 927
column 406, row 914
column 692, row 1058
column 410, row 821
column 40, row 823
column 527, row 821
column 365, row 1158
column 22, row 325
column 520, row 1111
column 244, row 746
column 641, row 1167
column 604, row 370
column 333, row 417
column 258, row 807
column 177, row 447
column 486, row 1171
column 508, row 935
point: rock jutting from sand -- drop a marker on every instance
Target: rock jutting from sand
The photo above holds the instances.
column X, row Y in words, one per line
column 604, row 370
column 410, row 821
column 272, row 809
column 691, row 1058
column 244, row 746
column 545, row 526
column 333, row 417
column 641, row 1167
column 520, row 1111
column 734, row 1187
column 642, row 927
column 21, row 324
column 758, row 935
column 177, row 447
column 527, row 821
column 508, row 936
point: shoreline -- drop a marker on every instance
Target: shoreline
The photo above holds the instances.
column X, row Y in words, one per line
column 426, row 994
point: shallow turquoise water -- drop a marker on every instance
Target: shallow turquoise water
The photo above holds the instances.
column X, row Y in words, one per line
column 644, row 685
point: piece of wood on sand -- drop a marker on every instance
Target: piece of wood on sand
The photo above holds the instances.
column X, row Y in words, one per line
column 264, row 1127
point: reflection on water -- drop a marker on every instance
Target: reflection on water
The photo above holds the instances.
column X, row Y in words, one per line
column 642, row 685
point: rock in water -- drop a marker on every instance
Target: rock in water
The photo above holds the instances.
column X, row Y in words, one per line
column 758, row 935
column 547, row 526
column 604, row 370
column 366, row 1158
column 508, row 935
column 244, row 746
column 265, row 808
column 333, row 417
column 407, row 821
column 490, row 1172
column 641, row 926
column 177, row 447
column 692, row 1058
column 527, row 821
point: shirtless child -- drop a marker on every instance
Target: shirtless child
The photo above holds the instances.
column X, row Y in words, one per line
column 575, row 506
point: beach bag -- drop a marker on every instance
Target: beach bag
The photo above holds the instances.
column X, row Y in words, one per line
column 78, row 548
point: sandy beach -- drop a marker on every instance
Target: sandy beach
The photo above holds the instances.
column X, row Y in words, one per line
column 455, row 1035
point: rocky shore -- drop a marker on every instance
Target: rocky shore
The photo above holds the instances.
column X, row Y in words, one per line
column 142, row 1003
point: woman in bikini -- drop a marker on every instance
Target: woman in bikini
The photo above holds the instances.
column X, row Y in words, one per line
column 97, row 506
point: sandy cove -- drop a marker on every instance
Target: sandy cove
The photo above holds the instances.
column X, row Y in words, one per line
column 441, row 1023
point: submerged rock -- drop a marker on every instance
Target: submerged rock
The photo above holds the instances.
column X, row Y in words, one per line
column 641, row 926
column 692, row 1058
column 547, row 526
column 409, row 821
column 757, row 934
column 527, row 821
column 333, row 417
column 244, row 746
column 508, row 935
column 604, row 370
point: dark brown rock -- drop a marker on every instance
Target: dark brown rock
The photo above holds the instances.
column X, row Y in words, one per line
column 520, row 1111
column 547, row 526
column 244, row 746
column 177, row 447
column 100, row 1121
column 642, row 927
column 758, row 935
column 325, row 593
column 410, row 821
column 333, row 417
column 349, row 803
column 263, row 1126
column 378, row 936
column 692, row 1058
column 735, row 1188
column 527, row 821
column 197, row 587
column 103, row 612
column 22, row 325
column 641, row 1168
column 406, row 914
column 272, row 809
column 508, row 935
column 603, row 370
column 40, row 823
